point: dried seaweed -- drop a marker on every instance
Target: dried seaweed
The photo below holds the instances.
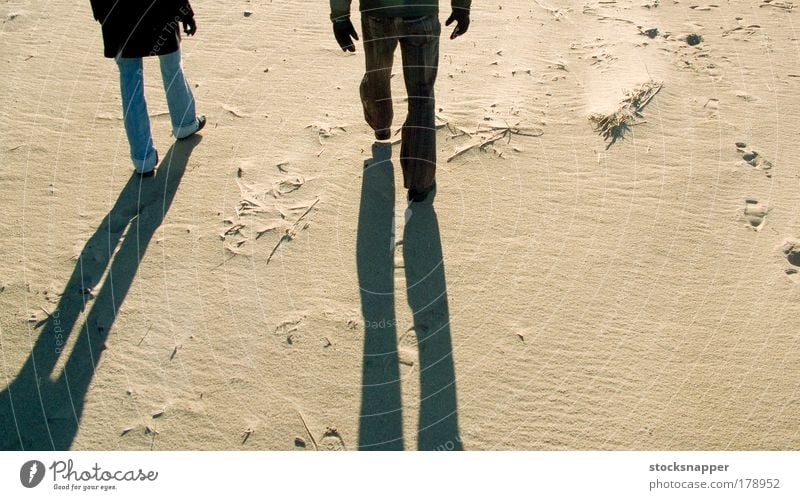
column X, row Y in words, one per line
column 613, row 126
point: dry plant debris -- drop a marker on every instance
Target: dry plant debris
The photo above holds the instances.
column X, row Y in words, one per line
column 614, row 125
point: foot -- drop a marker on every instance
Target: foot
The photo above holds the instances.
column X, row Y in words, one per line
column 201, row 122
column 422, row 195
column 151, row 172
column 383, row 134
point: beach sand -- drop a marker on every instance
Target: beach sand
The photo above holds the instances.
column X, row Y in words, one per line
column 638, row 295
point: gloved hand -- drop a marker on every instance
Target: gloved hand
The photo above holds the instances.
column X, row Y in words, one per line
column 461, row 17
column 343, row 30
column 189, row 26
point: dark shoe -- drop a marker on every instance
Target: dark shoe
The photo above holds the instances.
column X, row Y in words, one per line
column 151, row 172
column 201, row 122
column 422, row 195
column 383, row 134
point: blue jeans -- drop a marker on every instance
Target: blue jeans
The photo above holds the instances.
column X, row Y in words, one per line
column 134, row 107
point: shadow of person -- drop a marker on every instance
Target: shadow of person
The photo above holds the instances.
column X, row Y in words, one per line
column 42, row 411
column 427, row 296
column 381, row 417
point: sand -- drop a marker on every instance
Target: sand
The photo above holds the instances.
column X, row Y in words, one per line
column 638, row 295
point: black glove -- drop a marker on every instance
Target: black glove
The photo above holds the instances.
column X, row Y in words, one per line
column 461, row 17
column 189, row 26
column 343, row 30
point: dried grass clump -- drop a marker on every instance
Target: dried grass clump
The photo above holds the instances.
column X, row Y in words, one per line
column 613, row 126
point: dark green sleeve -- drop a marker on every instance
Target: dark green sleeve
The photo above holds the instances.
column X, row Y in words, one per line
column 185, row 11
column 100, row 9
column 341, row 9
column 459, row 4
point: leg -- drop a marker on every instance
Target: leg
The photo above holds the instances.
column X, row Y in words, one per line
column 134, row 114
column 179, row 96
column 420, row 47
column 376, row 93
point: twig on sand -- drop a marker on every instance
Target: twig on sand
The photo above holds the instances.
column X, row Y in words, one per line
column 557, row 13
column 235, row 112
column 246, row 434
column 779, row 5
column 308, row 431
column 613, row 126
column 480, row 144
column 151, row 431
column 145, row 335
column 45, row 320
column 290, row 233
column 609, row 18
column 224, row 261
column 499, row 133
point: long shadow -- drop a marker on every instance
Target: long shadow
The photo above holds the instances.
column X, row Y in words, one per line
column 381, row 417
column 427, row 296
column 381, row 420
column 39, row 411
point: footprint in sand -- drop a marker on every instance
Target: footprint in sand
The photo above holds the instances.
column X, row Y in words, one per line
column 791, row 250
column 396, row 244
column 407, row 348
column 288, row 330
column 331, row 440
column 755, row 213
column 754, row 159
column 408, row 340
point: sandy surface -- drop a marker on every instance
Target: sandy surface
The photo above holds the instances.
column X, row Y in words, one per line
column 620, row 298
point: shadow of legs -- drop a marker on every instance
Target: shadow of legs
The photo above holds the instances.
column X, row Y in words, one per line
column 38, row 412
column 427, row 297
column 381, row 418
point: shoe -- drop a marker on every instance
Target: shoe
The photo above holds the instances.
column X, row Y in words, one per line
column 201, row 122
column 151, row 172
column 421, row 195
column 383, row 134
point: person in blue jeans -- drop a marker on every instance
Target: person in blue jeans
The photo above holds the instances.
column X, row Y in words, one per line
column 414, row 25
column 133, row 29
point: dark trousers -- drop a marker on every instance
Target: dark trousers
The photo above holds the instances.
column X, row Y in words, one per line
column 419, row 45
